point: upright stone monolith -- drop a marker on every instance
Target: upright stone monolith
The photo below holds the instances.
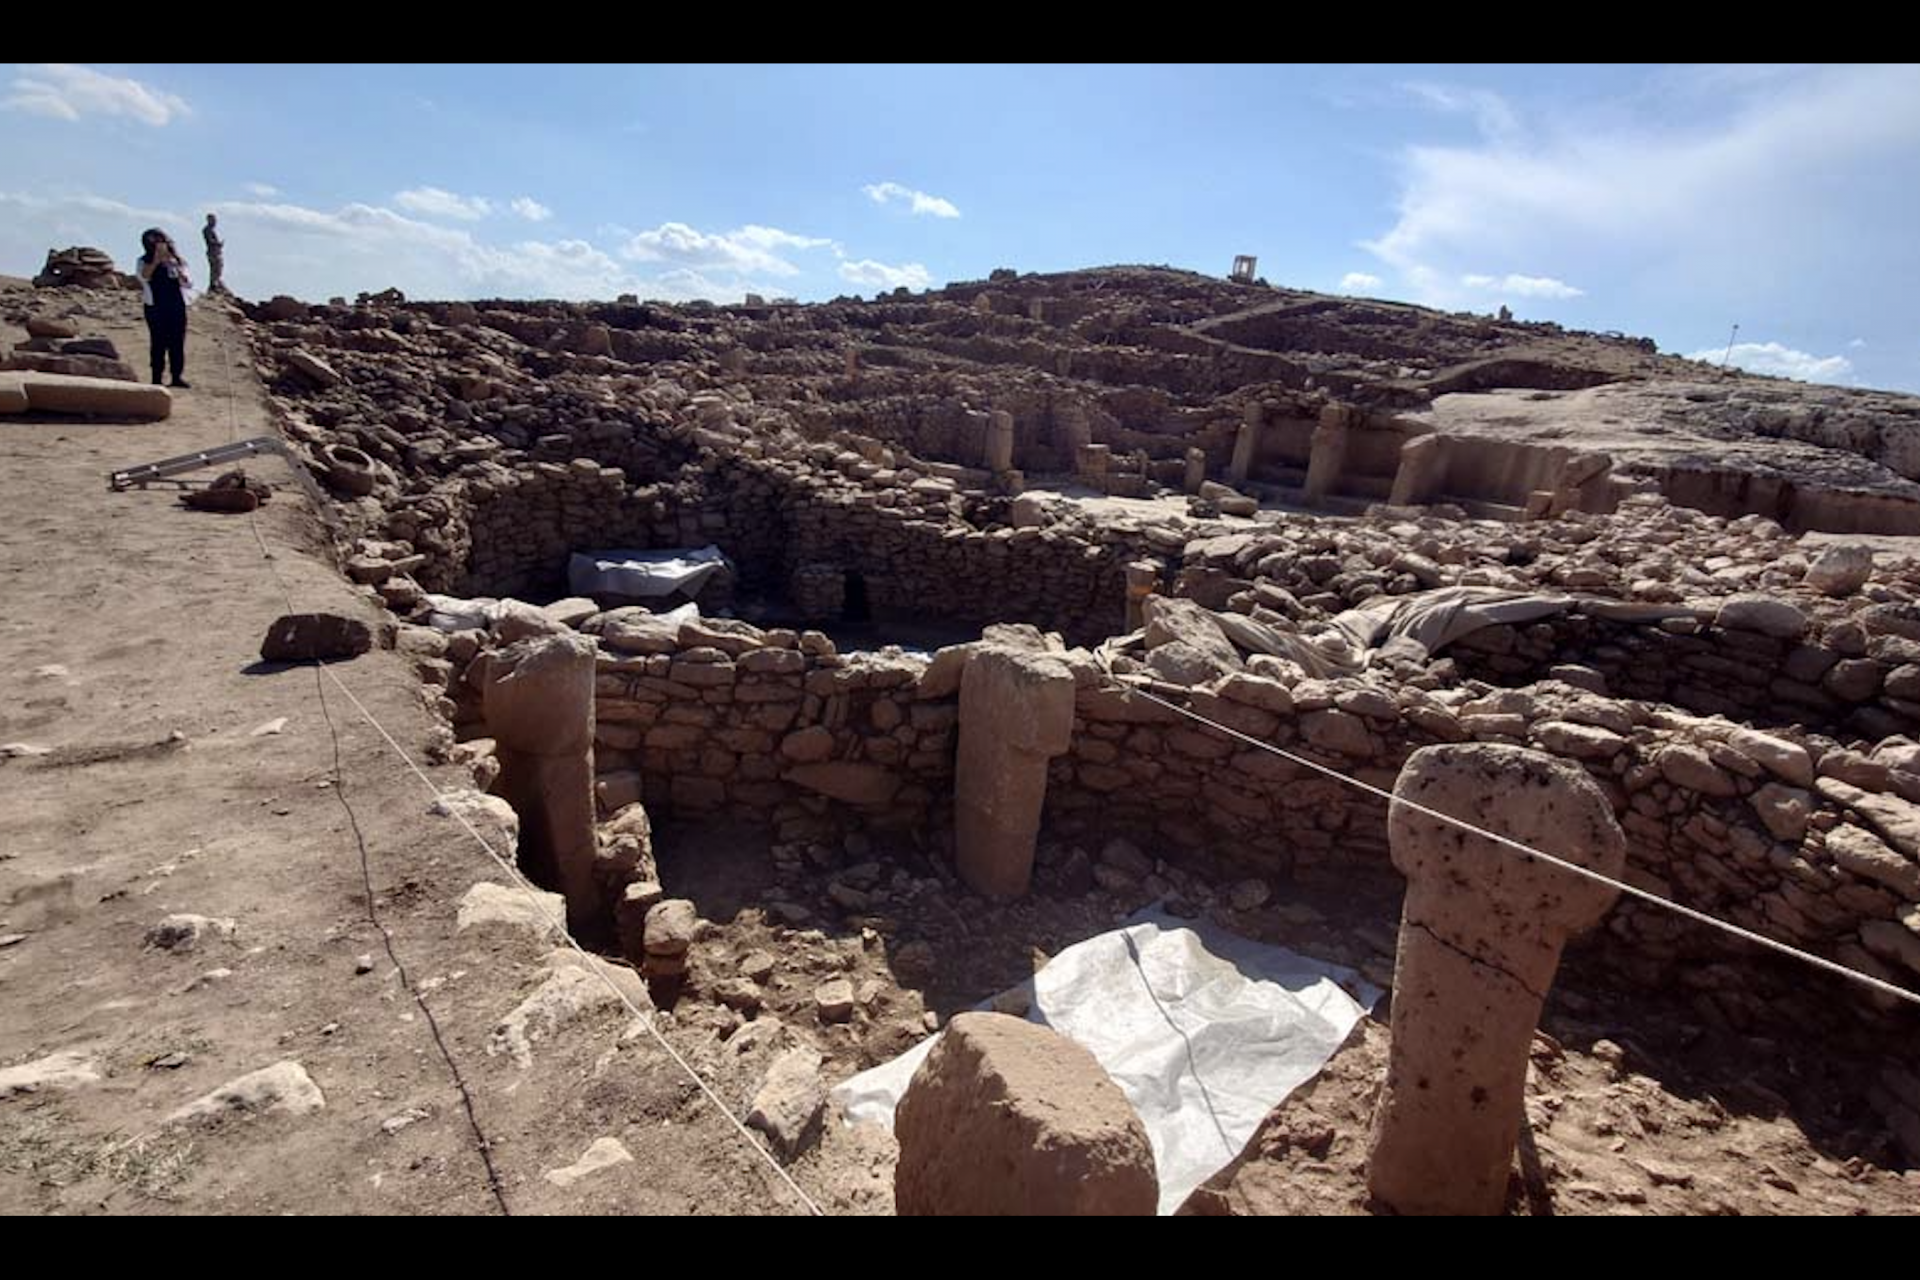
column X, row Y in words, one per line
column 1246, row 444
column 1328, row 459
column 1196, row 472
column 539, row 709
column 1481, row 931
column 999, row 442
column 1422, row 472
column 1016, row 713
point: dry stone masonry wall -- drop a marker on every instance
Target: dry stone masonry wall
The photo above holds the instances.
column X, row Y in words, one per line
column 1218, row 494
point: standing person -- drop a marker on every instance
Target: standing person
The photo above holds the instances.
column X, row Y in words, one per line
column 163, row 281
column 216, row 255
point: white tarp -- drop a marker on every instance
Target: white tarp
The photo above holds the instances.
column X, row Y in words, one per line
column 1417, row 625
column 1204, row 1031
column 457, row 613
column 642, row 574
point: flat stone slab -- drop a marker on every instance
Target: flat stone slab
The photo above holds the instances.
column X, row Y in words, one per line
column 55, row 1071
column 282, row 1087
column 488, row 904
column 575, row 986
column 48, row 392
column 604, row 1154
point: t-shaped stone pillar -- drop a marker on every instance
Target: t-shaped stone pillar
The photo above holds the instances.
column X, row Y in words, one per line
column 999, row 442
column 1246, row 445
column 1329, row 456
column 1581, row 485
column 1016, row 712
column 1076, row 428
column 1094, row 465
column 539, row 709
column 1143, row 579
column 1196, row 473
column 1480, row 938
column 1423, row 469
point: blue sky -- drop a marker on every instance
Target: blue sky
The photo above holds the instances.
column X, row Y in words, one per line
column 1673, row 202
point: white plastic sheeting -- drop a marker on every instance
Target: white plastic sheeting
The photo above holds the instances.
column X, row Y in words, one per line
column 642, row 574
column 457, row 613
column 1204, row 1031
column 1415, row 626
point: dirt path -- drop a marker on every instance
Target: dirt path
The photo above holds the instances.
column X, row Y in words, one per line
column 129, row 619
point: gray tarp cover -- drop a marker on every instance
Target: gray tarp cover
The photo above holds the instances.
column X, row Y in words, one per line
column 643, row 574
column 1419, row 624
column 1204, row 1031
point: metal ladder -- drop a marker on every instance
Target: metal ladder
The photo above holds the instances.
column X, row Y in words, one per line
column 147, row 473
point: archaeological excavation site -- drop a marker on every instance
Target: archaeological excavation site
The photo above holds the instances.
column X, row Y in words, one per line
column 1113, row 742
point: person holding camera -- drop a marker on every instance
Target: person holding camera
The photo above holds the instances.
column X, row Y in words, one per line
column 163, row 286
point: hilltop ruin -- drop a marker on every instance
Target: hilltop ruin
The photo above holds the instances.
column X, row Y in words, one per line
column 980, row 547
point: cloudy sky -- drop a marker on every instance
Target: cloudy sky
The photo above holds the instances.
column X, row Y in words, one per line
column 1674, row 202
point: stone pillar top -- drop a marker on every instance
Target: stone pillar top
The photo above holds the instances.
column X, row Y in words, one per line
column 1473, row 889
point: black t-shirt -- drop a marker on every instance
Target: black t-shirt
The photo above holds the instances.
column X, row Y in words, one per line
column 165, row 283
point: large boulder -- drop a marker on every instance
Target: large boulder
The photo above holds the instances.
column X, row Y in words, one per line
column 1752, row 611
column 280, row 307
column 790, row 1102
column 1840, row 570
column 310, row 637
column 312, row 367
column 1009, row 1118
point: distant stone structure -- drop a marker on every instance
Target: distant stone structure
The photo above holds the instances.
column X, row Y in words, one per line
column 81, row 268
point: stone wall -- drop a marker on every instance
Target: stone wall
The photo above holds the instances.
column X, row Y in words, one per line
column 770, row 726
column 1847, row 678
column 1794, row 838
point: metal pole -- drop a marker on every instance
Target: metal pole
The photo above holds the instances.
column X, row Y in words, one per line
column 1730, row 338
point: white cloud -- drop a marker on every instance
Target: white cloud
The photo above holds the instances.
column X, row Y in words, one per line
column 918, row 201
column 432, row 202
column 262, row 190
column 277, row 246
column 1780, row 361
column 748, row 249
column 1523, row 286
column 1681, row 187
column 530, row 209
column 1857, row 343
column 315, row 253
column 880, row 275
column 1496, row 119
column 1358, row 281
column 37, row 223
column 67, row 92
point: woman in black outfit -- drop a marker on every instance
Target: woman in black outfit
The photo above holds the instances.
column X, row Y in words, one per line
column 163, row 277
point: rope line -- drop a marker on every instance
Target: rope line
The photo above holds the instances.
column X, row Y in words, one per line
column 339, row 789
column 1699, row 917
column 513, row 872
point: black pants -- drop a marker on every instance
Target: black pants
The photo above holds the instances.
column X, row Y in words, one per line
column 167, row 340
